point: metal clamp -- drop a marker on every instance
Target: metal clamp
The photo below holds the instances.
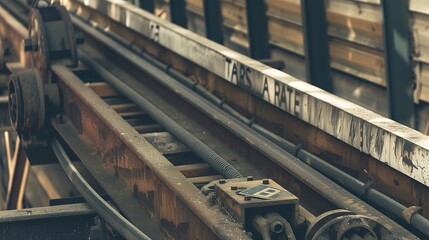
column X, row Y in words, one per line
column 409, row 212
column 195, row 84
column 297, row 149
column 365, row 188
column 222, row 102
column 131, row 43
column 168, row 66
column 251, row 121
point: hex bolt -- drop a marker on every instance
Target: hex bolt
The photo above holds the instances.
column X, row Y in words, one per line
column 276, row 227
column 249, row 178
column 28, row 45
column 222, row 181
column 265, row 181
column 234, row 188
column 80, row 38
column 247, row 198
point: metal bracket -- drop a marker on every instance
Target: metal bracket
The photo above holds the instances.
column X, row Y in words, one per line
column 367, row 185
column 251, row 121
column 222, row 102
column 297, row 149
column 408, row 213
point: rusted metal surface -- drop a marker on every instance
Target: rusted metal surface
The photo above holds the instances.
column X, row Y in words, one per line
column 291, row 175
column 72, row 221
column 178, row 204
column 392, row 144
column 312, row 138
column 106, row 143
column 239, row 205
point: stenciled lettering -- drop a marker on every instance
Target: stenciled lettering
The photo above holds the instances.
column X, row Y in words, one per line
column 238, row 73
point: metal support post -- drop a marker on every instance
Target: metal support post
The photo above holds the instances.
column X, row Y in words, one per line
column 178, row 12
column 397, row 55
column 316, row 43
column 257, row 27
column 213, row 18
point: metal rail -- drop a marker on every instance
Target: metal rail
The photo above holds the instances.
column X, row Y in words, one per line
column 87, row 111
column 357, row 187
column 211, row 157
column 106, row 211
column 343, row 120
column 313, row 179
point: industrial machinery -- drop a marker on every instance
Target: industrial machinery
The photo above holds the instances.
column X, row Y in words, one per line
column 148, row 123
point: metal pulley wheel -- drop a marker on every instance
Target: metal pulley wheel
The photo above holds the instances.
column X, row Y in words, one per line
column 51, row 39
column 26, row 101
column 342, row 225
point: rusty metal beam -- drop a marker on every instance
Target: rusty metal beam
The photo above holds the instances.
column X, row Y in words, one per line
column 72, row 221
column 104, row 134
column 19, row 167
column 359, row 128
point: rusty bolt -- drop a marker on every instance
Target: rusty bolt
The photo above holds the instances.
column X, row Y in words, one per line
column 247, row 198
column 222, row 181
column 234, row 188
column 249, row 178
column 265, row 181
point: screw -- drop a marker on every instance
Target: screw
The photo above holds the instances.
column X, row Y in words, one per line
column 247, row 198
column 249, row 178
column 265, row 181
column 234, row 188
column 222, row 181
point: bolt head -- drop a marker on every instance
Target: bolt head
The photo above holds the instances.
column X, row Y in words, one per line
column 247, row 198
column 234, row 188
column 249, row 178
column 265, row 181
column 222, row 181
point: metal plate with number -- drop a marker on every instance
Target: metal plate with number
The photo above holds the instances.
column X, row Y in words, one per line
column 264, row 192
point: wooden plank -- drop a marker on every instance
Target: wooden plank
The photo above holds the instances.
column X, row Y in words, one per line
column 103, row 89
column 193, row 170
column 148, row 128
column 133, row 114
column 125, row 107
column 204, row 179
